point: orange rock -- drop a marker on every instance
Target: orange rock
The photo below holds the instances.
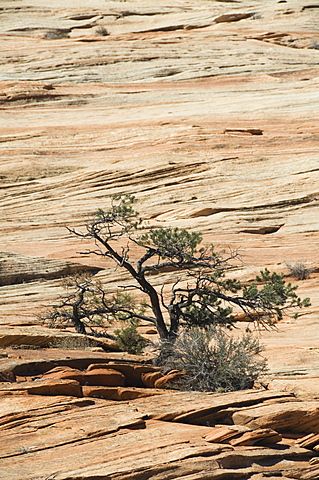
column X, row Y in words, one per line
column 169, row 379
column 118, row 393
column 133, row 373
column 65, row 373
column 107, row 377
column 50, row 386
column 109, row 393
column 150, row 378
column 262, row 436
column 223, row 433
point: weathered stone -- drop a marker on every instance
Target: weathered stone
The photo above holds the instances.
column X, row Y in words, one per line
column 65, row 373
column 168, row 380
column 133, row 373
column 118, row 393
column 298, row 417
column 48, row 386
column 150, row 378
column 144, row 110
column 16, row 268
column 202, row 408
column 223, row 433
column 309, row 441
column 261, row 436
column 106, row 377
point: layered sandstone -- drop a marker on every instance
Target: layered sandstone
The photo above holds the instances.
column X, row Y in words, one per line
column 206, row 111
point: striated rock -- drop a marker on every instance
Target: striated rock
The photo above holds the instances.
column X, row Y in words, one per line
column 232, row 17
column 16, row 268
column 133, row 373
column 309, row 441
column 198, row 408
column 118, row 393
column 298, row 417
column 47, row 386
column 207, row 112
column 223, row 433
column 150, row 378
column 239, row 435
column 106, row 377
column 260, row 436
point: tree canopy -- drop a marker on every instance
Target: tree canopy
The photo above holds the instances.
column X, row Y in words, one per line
column 203, row 295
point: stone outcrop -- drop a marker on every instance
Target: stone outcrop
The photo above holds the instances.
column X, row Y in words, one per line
column 206, row 111
column 148, row 433
column 16, row 268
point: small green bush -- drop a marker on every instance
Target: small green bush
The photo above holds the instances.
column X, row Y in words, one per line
column 129, row 340
column 214, row 360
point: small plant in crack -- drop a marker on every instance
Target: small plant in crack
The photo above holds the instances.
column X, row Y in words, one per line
column 299, row 270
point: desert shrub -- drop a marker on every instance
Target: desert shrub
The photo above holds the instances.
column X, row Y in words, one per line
column 214, row 360
column 129, row 340
column 56, row 34
column 73, row 343
column 299, row 270
column 102, row 31
column 193, row 315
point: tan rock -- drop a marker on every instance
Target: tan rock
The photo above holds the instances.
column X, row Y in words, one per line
column 104, row 377
column 109, row 393
column 309, row 441
column 207, row 111
column 151, row 331
column 202, row 408
column 17, row 268
column 298, row 417
column 260, row 436
column 50, row 387
column 223, row 433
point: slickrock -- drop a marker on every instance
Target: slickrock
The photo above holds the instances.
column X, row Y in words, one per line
column 119, row 393
column 206, row 111
column 16, row 268
column 299, row 417
column 134, row 374
column 47, row 386
column 104, row 377
column 65, row 372
column 46, row 434
column 146, row 431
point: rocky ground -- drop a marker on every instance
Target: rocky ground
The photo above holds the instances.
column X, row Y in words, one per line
column 207, row 111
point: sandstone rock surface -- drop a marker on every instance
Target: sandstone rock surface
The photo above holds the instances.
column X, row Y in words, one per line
column 207, row 112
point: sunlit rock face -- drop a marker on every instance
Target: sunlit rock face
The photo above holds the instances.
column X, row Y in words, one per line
column 207, row 112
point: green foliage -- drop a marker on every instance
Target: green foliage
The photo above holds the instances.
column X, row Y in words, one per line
column 129, row 340
column 273, row 296
column 215, row 361
column 203, row 301
column 172, row 243
column 121, row 213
